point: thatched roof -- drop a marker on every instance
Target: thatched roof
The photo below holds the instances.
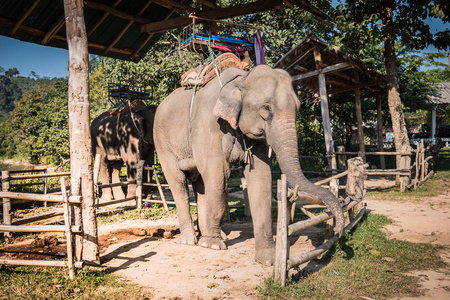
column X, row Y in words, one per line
column 442, row 94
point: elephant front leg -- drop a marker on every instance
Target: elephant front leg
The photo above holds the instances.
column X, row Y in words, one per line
column 211, row 208
column 115, row 176
column 104, row 175
column 259, row 186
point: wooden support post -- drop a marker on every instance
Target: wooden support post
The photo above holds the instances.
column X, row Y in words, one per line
column 79, row 125
column 422, row 160
column 416, row 177
column 355, row 181
column 68, row 225
column 161, row 193
column 245, row 191
column 380, row 132
column 405, row 165
column 341, row 158
column 282, row 243
column 324, row 108
column 359, row 121
column 139, row 176
column 6, row 201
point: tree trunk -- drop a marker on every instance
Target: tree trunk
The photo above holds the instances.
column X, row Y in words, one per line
column 395, row 104
column 80, row 137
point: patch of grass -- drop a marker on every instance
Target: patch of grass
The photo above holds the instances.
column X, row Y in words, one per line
column 27, row 282
column 434, row 186
column 365, row 263
column 152, row 212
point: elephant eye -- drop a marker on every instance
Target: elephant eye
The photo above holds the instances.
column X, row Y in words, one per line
column 266, row 107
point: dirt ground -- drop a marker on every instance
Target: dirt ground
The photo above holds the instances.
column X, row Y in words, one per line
column 174, row 271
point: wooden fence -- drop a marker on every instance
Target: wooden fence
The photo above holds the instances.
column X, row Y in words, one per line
column 355, row 191
column 68, row 228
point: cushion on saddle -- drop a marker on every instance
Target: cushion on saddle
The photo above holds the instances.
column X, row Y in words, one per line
column 204, row 73
column 126, row 107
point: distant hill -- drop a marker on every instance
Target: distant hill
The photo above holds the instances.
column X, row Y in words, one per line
column 12, row 89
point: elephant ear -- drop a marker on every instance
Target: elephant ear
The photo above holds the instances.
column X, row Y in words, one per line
column 229, row 104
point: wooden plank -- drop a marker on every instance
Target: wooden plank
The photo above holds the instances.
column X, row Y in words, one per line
column 24, row 16
column 100, row 21
column 68, row 231
column 218, row 13
column 122, row 183
column 115, row 202
column 55, row 28
column 27, row 171
column 33, row 176
column 161, row 193
column 38, row 218
column 37, row 197
column 329, row 69
column 38, row 228
column 282, row 242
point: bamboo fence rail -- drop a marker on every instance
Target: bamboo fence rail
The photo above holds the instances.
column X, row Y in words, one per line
column 67, row 228
column 355, row 190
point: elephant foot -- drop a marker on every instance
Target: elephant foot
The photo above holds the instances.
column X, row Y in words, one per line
column 215, row 243
column 265, row 256
column 188, row 238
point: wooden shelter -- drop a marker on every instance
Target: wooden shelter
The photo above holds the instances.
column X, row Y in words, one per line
column 122, row 29
column 330, row 73
column 441, row 97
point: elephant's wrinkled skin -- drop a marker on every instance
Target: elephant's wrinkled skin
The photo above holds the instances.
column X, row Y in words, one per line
column 123, row 139
column 200, row 140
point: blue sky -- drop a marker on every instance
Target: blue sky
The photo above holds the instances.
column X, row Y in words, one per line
column 53, row 62
column 27, row 57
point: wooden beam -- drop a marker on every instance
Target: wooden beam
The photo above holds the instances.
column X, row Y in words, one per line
column 25, row 15
column 357, row 86
column 208, row 3
column 175, row 4
column 116, row 12
column 55, row 28
column 42, row 33
column 100, row 21
column 333, row 68
column 300, row 58
column 380, row 132
column 141, row 11
column 218, row 13
column 149, row 37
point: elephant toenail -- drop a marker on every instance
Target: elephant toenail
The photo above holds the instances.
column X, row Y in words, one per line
column 204, row 245
column 215, row 247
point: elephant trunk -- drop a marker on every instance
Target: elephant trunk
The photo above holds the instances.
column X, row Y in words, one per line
column 284, row 143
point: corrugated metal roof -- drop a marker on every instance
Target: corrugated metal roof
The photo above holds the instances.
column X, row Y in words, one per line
column 116, row 27
column 442, row 94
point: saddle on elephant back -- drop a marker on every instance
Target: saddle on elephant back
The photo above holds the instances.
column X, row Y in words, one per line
column 204, row 73
column 126, row 107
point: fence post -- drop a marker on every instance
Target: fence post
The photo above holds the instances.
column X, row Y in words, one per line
column 341, row 158
column 244, row 190
column 355, row 181
column 282, row 242
column 161, row 192
column 67, row 223
column 139, row 175
column 422, row 157
column 45, row 186
column 6, row 201
column 403, row 166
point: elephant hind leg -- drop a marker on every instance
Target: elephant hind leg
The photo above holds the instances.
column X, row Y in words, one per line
column 179, row 188
column 115, row 176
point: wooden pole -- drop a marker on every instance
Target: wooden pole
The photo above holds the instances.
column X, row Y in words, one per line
column 139, row 175
column 45, row 186
column 79, row 125
column 6, row 201
column 380, row 132
column 67, row 223
column 245, row 191
column 359, row 121
column 324, row 108
column 161, row 193
column 282, row 243
column 422, row 160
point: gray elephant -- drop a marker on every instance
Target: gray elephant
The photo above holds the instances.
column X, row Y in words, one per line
column 123, row 139
column 233, row 120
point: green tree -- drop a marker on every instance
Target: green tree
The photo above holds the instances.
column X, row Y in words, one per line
column 12, row 72
column 363, row 23
column 37, row 129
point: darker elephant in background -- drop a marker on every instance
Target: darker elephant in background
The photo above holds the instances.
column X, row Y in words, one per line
column 123, row 139
column 231, row 120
